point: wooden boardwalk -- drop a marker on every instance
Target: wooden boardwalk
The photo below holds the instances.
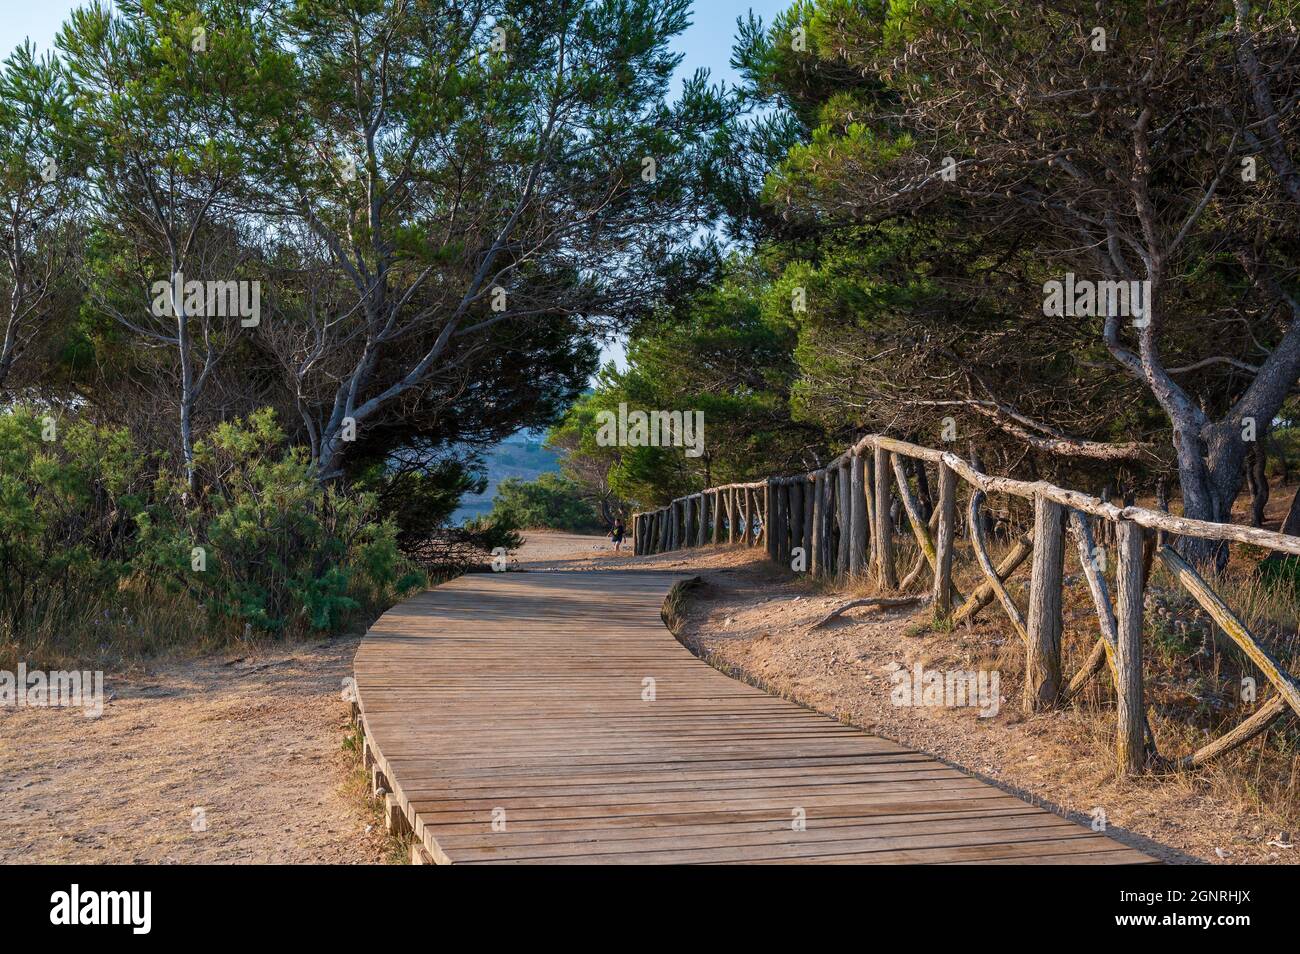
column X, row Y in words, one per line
column 510, row 717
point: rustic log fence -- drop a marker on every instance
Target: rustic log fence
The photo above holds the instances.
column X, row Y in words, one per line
column 840, row 521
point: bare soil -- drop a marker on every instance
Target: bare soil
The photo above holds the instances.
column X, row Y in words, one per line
column 252, row 740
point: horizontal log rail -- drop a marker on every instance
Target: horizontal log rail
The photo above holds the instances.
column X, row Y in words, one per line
column 841, row 520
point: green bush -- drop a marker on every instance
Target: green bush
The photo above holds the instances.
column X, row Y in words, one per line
column 68, row 491
column 551, row 501
column 265, row 544
column 105, row 554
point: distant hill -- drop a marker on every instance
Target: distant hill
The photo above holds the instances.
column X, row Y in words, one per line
column 522, row 456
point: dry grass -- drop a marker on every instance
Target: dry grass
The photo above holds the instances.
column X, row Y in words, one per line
column 101, row 630
column 141, row 623
column 257, row 740
column 394, row 847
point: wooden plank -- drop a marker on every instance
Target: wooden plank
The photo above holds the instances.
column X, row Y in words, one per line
column 545, row 718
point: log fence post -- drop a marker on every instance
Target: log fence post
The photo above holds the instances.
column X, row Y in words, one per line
column 858, row 534
column 942, row 595
column 796, row 521
column 1130, row 735
column 1043, row 655
column 781, row 491
column 808, row 484
column 816, row 562
column 747, row 517
column 883, row 531
column 828, row 549
column 771, row 518
column 844, row 513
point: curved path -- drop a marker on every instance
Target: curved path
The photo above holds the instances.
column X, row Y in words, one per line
column 553, row 718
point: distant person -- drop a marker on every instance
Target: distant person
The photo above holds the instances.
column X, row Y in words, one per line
column 617, row 533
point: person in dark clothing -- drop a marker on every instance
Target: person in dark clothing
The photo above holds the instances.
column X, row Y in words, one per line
column 617, row 533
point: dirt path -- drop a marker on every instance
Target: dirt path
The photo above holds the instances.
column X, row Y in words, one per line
column 556, row 550
column 254, row 741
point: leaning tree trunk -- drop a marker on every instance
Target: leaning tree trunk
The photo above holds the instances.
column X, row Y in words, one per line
column 1258, row 464
column 1210, row 474
column 1211, row 470
column 1291, row 524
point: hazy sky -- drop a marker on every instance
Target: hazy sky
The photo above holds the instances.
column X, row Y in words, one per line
column 707, row 44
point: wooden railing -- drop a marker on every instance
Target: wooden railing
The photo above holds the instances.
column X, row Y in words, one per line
column 838, row 521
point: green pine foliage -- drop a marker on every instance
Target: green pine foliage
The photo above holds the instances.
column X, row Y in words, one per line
column 552, row 502
column 725, row 351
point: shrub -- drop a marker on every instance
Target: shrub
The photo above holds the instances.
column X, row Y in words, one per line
column 551, row 501
column 265, row 544
column 68, row 492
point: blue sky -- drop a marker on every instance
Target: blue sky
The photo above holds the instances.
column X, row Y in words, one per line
column 706, row 44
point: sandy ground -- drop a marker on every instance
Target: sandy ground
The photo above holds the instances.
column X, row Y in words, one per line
column 253, row 741
column 553, row 549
